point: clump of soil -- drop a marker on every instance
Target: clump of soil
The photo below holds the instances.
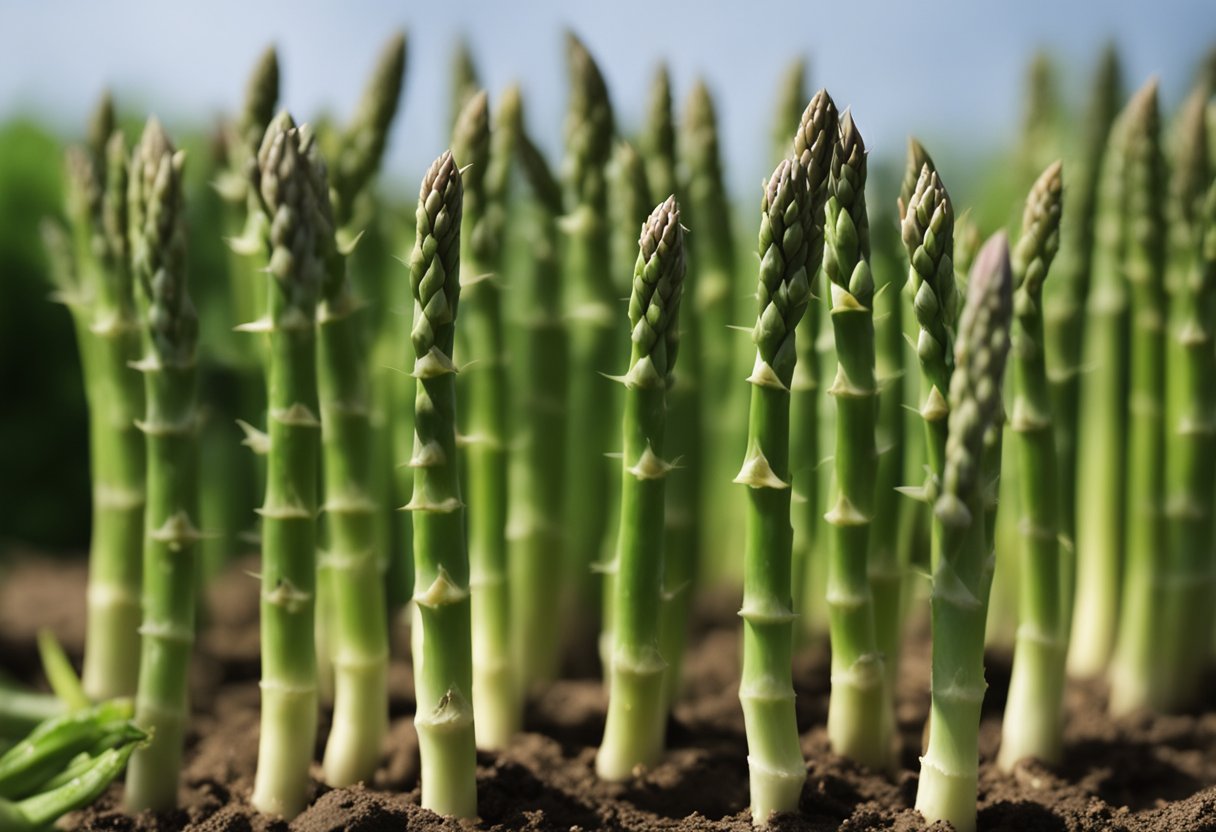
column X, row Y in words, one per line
column 1142, row 774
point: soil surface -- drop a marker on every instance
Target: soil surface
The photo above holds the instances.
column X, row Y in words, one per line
column 1143, row 773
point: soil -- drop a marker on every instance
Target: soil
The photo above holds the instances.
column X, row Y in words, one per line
column 1142, row 774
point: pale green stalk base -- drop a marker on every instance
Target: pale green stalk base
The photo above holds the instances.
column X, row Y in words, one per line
column 945, row 796
column 633, row 733
column 285, row 749
column 360, row 720
column 858, row 724
column 152, row 774
column 1034, row 718
column 776, row 769
column 447, row 745
column 111, row 666
column 496, row 693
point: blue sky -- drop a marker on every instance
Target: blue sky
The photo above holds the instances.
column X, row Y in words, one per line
column 939, row 68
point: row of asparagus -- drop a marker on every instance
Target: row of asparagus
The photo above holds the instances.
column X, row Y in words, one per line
column 1110, row 406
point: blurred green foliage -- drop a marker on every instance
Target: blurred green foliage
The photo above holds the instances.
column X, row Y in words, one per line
column 44, row 477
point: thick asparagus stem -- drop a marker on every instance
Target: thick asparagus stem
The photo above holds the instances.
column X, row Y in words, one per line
column 296, row 231
column 536, row 529
column 94, row 281
column 629, row 198
column 685, row 492
column 1136, row 677
column 591, row 303
column 444, row 716
column 1064, row 298
column 633, row 733
column 1190, row 497
column 928, row 235
column 1102, row 446
column 789, row 227
column 814, row 138
column 963, row 575
column 1033, row 722
column 232, row 478
column 859, row 722
column 170, row 426
column 485, row 433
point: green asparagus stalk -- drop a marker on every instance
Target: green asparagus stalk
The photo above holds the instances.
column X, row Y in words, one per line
column 963, row 575
column 1064, row 298
column 444, row 679
column 859, row 725
column 715, row 297
column 94, row 282
column 158, row 253
column 591, row 304
column 928, row 235
column 791, row 92
column 357, row 154
column 1102, row 446
column 1190, row 571
column 230, row 380
column 630, row 205
column 685, row 492
column 47, row 749
column 633, row 733
column 536, row 531
column 888, row 567
column 298, row 234
column 350, row 567
column 789, row 228
column 1135, row 678
column 485, row 433
column 1033, row 723
column 814, row 137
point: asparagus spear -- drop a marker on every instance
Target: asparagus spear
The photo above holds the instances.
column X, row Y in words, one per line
column 1101, row 448
column 712, row 255
column 93, row 280
column 928, row 234
column 1135, row 677
column 485, row 432
column 1064, row 297
column 158, row 253
column 591, row 303
column 888, row 548
column 789, row 228
column 1033, row 723
column 357, row 152
column 633, row 733
column 963, row 575
column 444, row 716
column 297, row 237
column 859, row 725
column 231, row 385
column 685, row 493
column 814, row 138
column 1190, row 402
column 538, row 479
column 630, row 205
column 350, row 568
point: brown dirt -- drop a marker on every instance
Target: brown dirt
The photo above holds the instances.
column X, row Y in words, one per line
column 1142, row 774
